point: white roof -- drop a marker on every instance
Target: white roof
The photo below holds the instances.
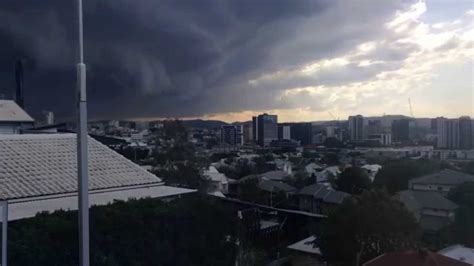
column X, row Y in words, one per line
column 38, row 165
column 459, row 252
column 21, row 209
column 306, row 245
column 11, row 112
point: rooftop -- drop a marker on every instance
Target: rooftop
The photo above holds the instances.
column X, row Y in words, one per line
column 459, row 252
column 416, row 200
column 444, row 177
column 323, row 193
column 11, row 112
column 37, row 165
column 414, row 258
column 275, row 186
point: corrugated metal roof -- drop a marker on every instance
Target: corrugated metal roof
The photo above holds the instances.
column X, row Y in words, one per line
column 275, row 186
column 11, row 112
column 22, row 209
column 444, row 177
column 36, row 165
column 321, row 192
column 415, row 200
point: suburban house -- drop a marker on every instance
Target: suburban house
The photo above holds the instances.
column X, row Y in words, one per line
column 372, row 170
column 327, row 174
column 441, row 182
column 459, row 252
column 318, row 198
column 216, row 182
column 431, row 209
column 414, row 258
column 275, row 175
column 13, row 119
column 38, row 173
column 313, row 168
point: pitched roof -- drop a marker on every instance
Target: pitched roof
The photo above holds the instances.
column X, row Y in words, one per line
column 414, row 258
column 321, row 192
column 306, row 245
column 37, row 165
column 433, row 223
column 415, row 200
column 444, row 177
column 275, row 186
column 11, row 112
column 459, row 252
column 274, row 175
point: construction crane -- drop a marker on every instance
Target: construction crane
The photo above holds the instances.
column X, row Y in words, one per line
column 411, row 109
column 333, row 117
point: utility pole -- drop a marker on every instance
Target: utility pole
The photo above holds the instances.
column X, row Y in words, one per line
column 82, row 156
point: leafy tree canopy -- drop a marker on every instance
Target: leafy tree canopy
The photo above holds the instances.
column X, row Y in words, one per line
column 395, row 174
column 353, row 180
column 144, row 232
column 366, row 226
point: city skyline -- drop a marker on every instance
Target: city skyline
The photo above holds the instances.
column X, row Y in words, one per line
column 310, row 60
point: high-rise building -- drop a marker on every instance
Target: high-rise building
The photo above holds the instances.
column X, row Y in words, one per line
column 356, row 127
column 302, row 132
column 255, row 129
column 265, row 129
column 447, row 133
column 284, row 131
column 232, row 135
column 374, row 127
column 401, row 130
column 247, row 133
column 465, row 133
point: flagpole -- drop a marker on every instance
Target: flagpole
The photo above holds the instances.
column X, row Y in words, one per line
column 82, row 156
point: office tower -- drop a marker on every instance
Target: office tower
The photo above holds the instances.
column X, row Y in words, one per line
column 356, row 127
column 284, row 131
column 465, row 133
column 401, row 130
column 232, row 135
column 266, row 129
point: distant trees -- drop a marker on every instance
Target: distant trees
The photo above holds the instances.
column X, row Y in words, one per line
column 366, row 226
column 395, row 174
column 178, row 161
column 463, row 227
column 353, row 180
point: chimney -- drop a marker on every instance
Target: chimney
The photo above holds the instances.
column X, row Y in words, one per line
column 19, row 84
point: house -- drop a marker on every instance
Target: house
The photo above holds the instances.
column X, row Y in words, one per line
column 216, row 181
column 313, row 168
column 328, row 173
column 13, row 119
column 459, row 252
column 372, row 170
column 275, row 175
column 414, row 258
column 432, row 210
column 38, row 172
column 318, row 198
column 441, row 182
column 272, row 189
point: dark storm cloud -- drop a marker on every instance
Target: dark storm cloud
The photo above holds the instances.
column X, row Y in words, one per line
column 149, row 58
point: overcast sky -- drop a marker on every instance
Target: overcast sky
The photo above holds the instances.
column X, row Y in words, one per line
column 304, row 60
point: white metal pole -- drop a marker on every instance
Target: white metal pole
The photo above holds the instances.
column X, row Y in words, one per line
column 82, row 158
column 4, row 232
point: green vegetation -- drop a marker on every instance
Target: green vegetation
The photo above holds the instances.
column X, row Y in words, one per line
column 395, row 174
column 463, row 227
column 366, row 226
column 194, row 231
column 353, row 180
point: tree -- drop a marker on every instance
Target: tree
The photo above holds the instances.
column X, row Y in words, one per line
column 353, row 180
column 300, row 180
column 463, row 195
column 146, row 232
column 395, row 174
column 366, row 226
